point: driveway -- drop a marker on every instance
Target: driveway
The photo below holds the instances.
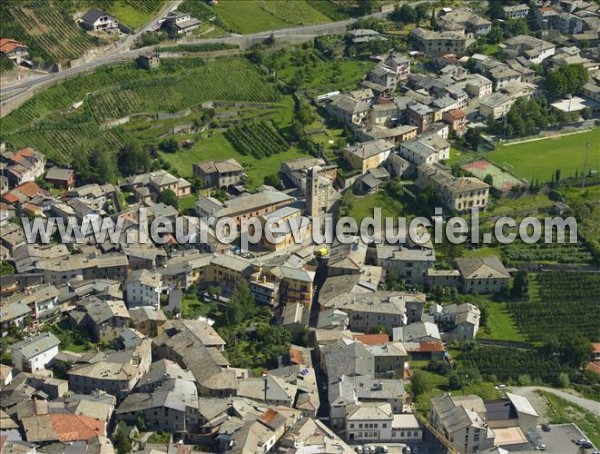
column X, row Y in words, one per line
column 530, row 393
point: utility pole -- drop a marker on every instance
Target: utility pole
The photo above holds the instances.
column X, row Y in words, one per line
column 585, row 164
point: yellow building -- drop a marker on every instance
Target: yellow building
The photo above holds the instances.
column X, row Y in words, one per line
column 368, row 155
column 457, row 193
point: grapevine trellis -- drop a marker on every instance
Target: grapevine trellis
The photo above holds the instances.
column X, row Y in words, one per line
column 561, row 303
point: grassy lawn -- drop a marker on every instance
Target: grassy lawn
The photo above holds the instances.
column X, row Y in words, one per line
column 561, row 411
column 438, row 384
column 456, row 156
column 484, row 251
column 217, row 147
column 129, row 15
column 187, row 203
column 541, row 158
column 523, row 204
column 327, row 75
column 501, row 325
column 256, row 16
column 360, row 207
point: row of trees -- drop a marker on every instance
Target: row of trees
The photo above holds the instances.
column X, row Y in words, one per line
column 252, row 341
column 567, row 80
column 528, row 117
column 407, row 14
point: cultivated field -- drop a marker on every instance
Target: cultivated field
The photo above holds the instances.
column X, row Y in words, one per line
column 541, row 158
column 218, row 147
column 51, row 32
column 255, row 16
column 65, row 119
column 560, row 302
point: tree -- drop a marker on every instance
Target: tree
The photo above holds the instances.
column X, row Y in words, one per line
column 557, row 176
column 496, row 35
column 365, row 7
column 104, row 167
column 433, row 21
column 489, row 179
column 524, row 380
column 241, row 305
column 404, row 14
column 520, row 288
column 6, row 268
column 575, row 350
column 454, row 382
column 473, row 138
column 133, row 160
column 567, row 80
column 419, row 384
column 273, row 180
column 122, row 442
column 563, row 380
column 586, row 113
column 421, row 11
column 168, row 197
column 495, row 10
column 169, row 145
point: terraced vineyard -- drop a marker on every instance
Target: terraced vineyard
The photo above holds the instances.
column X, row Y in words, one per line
column 543, row 252
column 66, row 119
column 257, row 139
column 49, row 30
column 5, row 63
column 560, row 302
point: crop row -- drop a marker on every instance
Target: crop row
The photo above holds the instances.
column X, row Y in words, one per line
column 256, row 139
column 57, row 37
column 561, row 302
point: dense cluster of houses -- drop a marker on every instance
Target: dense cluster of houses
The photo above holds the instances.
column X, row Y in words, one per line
column 152, row 370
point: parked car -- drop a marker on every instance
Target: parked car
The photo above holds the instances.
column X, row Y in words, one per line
column 359, row 450
column 546, row 428
column 407, row 450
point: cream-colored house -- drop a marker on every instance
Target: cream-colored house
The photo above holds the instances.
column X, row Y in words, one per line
column 456, row 193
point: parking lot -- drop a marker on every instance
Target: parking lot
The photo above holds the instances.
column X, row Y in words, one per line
column 560, row 439
column 399, row 448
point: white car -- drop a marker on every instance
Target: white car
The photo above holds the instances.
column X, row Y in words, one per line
column 359, row 450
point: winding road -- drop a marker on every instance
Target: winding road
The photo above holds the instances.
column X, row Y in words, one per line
column 15, row 92
column 530, row 393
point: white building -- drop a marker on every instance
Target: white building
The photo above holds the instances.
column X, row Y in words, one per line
column 143, row 288
column 373, row 422
column 35, row 353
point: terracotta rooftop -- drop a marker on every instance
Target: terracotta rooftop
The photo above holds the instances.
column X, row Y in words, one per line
column 372, row 339
column 8, row 45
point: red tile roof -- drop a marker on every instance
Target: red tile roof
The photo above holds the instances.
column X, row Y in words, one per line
column 70, row 427
column 594, row 367
column 297, row 356
column 10, row 198
column 596, row 347
column 372, row 339
column 457, row 114
column 8, row 45
column 424, row 347
column 28, row 189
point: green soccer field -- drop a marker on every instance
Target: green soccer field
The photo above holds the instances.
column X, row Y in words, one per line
column 541, row 158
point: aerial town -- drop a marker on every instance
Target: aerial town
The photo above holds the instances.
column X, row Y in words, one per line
column 234, row 117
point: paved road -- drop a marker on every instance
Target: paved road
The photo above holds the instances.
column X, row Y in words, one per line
column 13, row 92
column 529, row 392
